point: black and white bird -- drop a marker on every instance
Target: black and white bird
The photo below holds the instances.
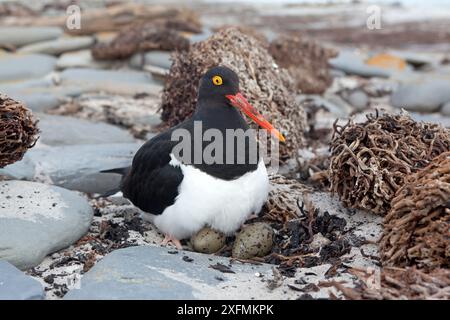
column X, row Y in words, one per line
column 181, row 198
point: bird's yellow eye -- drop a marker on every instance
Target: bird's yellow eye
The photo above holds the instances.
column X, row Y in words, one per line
column 217, row 80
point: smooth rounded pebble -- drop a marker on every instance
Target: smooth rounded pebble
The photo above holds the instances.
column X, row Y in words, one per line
column 19, row 36
column 15, row 285
column 37, row 219
column 427, row 94
column 58, row 46
column 75, row 167
column 25, row 66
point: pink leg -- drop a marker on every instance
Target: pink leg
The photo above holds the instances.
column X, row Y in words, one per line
column 252, row 216
column 170, row 239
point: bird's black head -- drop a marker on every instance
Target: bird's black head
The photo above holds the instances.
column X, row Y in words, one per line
column 220, row 87
column 217, row 83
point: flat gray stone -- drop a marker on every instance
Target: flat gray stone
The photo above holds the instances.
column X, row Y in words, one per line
column 36, row 101
column 424, row 94
column 358, row 99
column 199, row 37
column 112, row 81
column 158, row 58
column 445, row 110
column 75, row 167
column 417, row 59
column 36, row 94
column 58, row 46
column 15, row 285
column 438, row 118
column 352, row 63
column 62, row 130
column 80, row 59
column 331, row 102
column 148, row 272
column 37, row 219
column 25, row 66
column 19, row 36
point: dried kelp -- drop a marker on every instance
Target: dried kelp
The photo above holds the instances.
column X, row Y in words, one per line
column 417, row 228
column 306, row 60
column 18, row 131
column 284, row 199
column 370, row 160
column 140, row 38
column 398, row 284
column 268, row 87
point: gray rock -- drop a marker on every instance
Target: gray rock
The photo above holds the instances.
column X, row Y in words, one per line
column 61, row 130
column 19, row 36
column 438, row 118
column 37, row 219
column 426, row 94
column 153, row 273
column 26, row 66
column 201, row 36
column 358, row 99
column 336, row 73
column 446, row 109
column 36, row 101
column 137, row 60
column 36, row 94
column 75, row 167
column 112, row 81
column 80, row 59
column 15, row 285
column 331, row 102
column 418, row 60
column 58, row 46
column 158, row 58
column 352, row 63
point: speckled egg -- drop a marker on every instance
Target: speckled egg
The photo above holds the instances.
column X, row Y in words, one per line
column 254, row 240
column 208, row 240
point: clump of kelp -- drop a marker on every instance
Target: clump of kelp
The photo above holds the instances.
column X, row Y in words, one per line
column 18, row 130
column 417, row 227
column 370, row 160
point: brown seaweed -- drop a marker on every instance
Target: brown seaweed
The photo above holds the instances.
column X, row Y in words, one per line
column 370, row 160
column 18, row 131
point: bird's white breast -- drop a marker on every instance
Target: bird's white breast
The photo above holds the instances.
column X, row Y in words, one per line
column 204, row 200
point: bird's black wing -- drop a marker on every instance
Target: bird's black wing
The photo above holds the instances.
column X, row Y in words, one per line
column 152, row 183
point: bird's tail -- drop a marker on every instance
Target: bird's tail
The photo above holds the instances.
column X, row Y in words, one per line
column 123, row 172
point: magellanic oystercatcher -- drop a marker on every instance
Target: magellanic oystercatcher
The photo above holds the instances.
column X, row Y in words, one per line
column 182, row 197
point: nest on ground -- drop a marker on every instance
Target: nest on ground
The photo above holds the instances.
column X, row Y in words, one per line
column 370, row 160
column 417, row 228
column 306, row 61
column 398, row 284
column 268, row 87
column 297, row 223
column 18, row 131
column 140, row 38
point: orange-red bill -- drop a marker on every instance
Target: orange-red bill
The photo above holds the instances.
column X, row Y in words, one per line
column 240, row 102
